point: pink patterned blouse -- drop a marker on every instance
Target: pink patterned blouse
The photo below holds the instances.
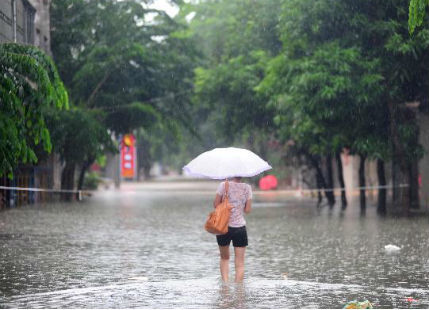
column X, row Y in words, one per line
column 238, row 194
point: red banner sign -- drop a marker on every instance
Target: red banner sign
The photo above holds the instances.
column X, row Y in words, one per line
column 128, row 157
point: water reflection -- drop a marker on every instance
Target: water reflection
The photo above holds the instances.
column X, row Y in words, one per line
column 232, row 295
column 145, row 247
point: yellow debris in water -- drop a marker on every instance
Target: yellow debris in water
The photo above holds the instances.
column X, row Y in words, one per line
column 358, row 305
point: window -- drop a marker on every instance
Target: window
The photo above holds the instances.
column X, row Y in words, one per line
column 29, row 13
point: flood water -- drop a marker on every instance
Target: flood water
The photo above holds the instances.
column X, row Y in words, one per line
column 144, row 246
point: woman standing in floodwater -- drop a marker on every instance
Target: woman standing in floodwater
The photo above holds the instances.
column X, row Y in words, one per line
column 240, row 197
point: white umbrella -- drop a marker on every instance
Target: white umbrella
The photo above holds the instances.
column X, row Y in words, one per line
column 224, row 163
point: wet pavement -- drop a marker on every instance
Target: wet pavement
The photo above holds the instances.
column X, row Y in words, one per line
column 144, row 246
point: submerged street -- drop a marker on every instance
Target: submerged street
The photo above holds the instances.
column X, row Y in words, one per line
column 144, row 246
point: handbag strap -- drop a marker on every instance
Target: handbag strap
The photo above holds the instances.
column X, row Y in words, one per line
column 226, row 189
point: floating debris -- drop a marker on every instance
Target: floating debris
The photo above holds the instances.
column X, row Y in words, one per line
column 411, row 299
column 390, row 248
column 358, row 305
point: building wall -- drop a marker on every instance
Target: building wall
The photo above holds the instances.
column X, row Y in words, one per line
column 42, row 39
column 6, row 21
column 32, row 23
column 17, row 21
column 351, row 175
column 350, row 172
column 42, row 28
column 20, row 31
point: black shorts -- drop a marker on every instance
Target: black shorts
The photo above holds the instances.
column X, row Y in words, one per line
column 238, row 235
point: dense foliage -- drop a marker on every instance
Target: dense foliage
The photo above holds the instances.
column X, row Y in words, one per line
column 29, row 85
column 417, row 13
column 122, row 71
column 318, row 76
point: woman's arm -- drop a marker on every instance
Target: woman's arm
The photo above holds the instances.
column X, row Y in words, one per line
column 217, row 200
column 248, row 206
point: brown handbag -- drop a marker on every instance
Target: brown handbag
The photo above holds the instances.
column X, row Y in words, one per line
column 217, row 222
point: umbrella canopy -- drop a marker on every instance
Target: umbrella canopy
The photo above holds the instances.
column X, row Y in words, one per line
column 268, row 182
column 224, row 163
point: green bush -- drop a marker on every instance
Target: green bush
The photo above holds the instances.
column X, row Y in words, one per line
column 92, row 180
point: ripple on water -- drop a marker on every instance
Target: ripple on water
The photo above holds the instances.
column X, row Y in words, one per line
column 148, row 249
column 209, row 293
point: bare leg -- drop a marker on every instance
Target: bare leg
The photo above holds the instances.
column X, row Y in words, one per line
column 239, row 263
column 224, row 262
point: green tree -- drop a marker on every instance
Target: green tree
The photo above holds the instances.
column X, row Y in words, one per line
column 29, row 85
column 235, row 39
column 349, row 66
column 228, row 89
column 132, row 74
column 228, row 29
column 417, row 13
column 79, row 140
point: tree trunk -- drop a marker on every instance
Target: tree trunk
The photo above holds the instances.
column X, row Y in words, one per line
column 146, row 171
column 403, row 174
column 330, row 178
column 321, row 180
column 414, row 185
column 341, row 181
column 362, row 184
column 381, row 205
column 67, row 181
column 319, row 183
column 83, row 170
column 394, row 168
column 144, row 158
column 7, row 199
column 319, row 197
column 401, row 183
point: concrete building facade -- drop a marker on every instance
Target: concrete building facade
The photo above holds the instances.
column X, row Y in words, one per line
column 42, row 27
column 17, row 21
column 28, row 22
